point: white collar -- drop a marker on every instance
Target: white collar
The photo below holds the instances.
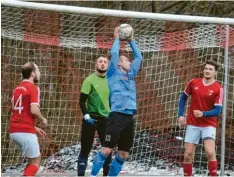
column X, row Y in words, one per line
column 207, row 84
column 28, row 81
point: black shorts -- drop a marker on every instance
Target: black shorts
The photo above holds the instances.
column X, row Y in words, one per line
column 120, row 130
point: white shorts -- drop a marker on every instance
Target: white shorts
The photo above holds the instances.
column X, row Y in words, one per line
column 27, row 143
column 194, row 134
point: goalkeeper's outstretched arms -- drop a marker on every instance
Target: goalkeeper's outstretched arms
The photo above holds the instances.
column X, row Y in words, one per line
column 136, row 63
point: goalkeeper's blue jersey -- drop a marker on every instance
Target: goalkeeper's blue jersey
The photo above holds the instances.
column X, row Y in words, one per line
column 122, row 85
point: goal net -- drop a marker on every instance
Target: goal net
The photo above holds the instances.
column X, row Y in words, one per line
column 65, row 45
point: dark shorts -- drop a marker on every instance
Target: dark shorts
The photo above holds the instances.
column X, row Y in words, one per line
column 120, row 130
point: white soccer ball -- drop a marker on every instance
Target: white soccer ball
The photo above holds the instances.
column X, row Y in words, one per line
column 125, row 31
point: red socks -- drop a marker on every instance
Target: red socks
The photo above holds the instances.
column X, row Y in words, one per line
column 213, row 166
column 188, row 167
column 30, row 170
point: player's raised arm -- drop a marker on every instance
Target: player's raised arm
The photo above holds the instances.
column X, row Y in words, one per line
column 137, row 56
column 114, row 53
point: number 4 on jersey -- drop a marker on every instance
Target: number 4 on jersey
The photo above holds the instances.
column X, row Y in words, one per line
column 18, row 105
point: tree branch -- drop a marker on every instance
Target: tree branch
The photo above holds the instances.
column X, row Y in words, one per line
column 170, row 6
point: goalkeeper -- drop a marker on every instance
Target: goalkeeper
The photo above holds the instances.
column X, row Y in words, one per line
column 120, row 128
column 94, row 104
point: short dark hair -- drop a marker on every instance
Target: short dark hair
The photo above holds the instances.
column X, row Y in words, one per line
column 27, row 69
column 213, row 63
column 100, row 57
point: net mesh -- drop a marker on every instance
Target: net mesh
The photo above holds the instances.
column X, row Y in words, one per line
column 65, row 46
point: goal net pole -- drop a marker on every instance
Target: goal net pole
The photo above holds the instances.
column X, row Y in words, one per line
column 224, row 114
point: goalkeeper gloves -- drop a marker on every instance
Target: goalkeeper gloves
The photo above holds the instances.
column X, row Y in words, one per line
column 89, row 120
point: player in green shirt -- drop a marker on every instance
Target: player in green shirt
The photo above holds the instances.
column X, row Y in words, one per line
column 94, row 104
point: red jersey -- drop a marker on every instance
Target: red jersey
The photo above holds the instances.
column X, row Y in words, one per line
column 25, row 94
column 203, row 98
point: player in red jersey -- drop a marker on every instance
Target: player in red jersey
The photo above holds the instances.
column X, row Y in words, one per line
column 25, row 110
column 206, row 104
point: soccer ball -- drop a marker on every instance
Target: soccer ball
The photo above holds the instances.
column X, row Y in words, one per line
column 125, row 31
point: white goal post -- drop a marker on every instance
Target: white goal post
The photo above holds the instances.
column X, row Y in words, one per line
column 119, row 13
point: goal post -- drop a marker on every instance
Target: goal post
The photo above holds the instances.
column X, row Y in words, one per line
column 118, row 13
column 65, row 41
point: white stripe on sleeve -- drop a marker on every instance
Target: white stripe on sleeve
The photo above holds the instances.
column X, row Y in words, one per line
column 221, row 96
column 39, row 93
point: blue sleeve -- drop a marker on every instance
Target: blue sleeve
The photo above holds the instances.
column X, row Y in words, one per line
column 135, row 66
column 214, row 112
column 182, row 101
column 114, row 57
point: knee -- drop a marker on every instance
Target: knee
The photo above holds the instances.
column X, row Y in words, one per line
column 36, row 160
column 210, row 155
column 106, row 150
column 123, row 154
column 188, row 157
